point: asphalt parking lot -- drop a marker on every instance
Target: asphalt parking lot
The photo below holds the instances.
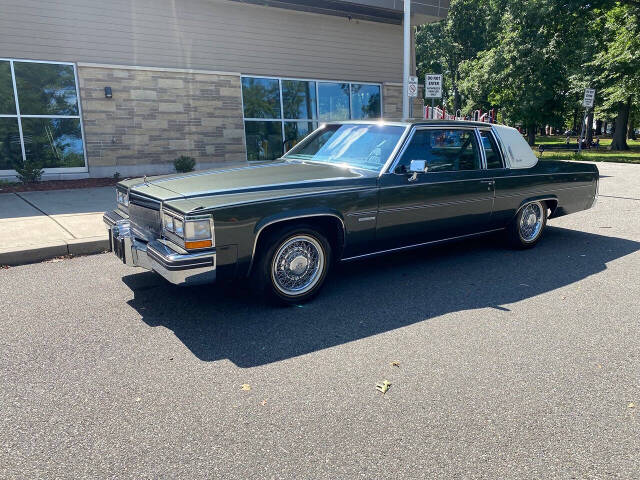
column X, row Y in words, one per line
column 510, row 364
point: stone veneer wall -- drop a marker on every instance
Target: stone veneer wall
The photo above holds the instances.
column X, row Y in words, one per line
column 157, row 115
column 392, row 99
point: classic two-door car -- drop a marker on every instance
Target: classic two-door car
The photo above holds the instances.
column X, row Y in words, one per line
column 348, row 190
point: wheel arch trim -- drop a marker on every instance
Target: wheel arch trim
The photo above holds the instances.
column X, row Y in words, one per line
column 275, row 219
column 540, row 198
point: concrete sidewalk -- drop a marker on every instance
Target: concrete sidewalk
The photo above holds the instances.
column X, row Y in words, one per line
column 36, row 226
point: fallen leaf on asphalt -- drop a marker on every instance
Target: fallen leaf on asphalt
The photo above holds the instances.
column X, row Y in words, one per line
column 56, row 260
column 599, row 366
column 246, row 387
column 383, row 386
column 395, row 364
column 138, row 399
column 263, row 402
column 632, row 405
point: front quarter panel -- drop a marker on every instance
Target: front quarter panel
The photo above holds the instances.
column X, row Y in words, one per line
column 240, row 225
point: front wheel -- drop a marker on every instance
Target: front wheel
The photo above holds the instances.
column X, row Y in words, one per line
column 525, row 230
column 293, row 264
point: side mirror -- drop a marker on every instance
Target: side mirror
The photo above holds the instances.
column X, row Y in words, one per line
column 416, row 167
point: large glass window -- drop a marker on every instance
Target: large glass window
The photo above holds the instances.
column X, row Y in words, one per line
column 261, row 97
column 46, row 89
column 445, row 150
column 264, row 140
column 365, row 101
column 294, row 107
column 10, row 150
column 7, row 100
column 333, row 101
column 53, row 142
column 39, row 115
column 299, row 99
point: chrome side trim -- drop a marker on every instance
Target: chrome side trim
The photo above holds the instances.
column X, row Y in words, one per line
column 297, row 217
column 408, row 247
column 440, row 204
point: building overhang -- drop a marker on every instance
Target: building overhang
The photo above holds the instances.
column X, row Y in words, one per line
column 385, row 11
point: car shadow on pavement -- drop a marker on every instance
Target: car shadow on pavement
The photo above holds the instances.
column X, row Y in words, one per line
column 372, row 296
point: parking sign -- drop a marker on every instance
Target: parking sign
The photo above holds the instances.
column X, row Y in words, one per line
column 412, row 90
column 433, row 85
column 589, row 97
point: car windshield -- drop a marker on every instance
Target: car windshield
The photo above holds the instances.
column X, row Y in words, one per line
column 365, row 146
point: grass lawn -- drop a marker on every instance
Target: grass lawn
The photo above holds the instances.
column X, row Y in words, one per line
column 600, row 155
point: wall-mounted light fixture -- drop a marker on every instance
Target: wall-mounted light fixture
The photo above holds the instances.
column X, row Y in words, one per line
column 107, row 92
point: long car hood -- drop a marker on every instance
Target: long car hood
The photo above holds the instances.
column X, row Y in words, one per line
column 249, row 183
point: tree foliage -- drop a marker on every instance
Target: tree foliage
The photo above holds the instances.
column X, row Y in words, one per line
column 532, row 60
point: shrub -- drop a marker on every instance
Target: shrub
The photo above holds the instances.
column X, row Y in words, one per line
column 29, row 172
column 184, row 164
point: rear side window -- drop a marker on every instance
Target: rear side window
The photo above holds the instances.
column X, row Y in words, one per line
column 491, row 150
column 444, row 150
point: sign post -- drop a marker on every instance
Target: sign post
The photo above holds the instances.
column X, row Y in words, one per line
column 587, row 103
column 433, row 87
column 412, row 92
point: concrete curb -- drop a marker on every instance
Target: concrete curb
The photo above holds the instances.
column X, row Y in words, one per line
column 37, row 253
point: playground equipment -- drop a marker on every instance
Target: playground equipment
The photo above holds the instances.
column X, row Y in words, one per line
column 440, row 113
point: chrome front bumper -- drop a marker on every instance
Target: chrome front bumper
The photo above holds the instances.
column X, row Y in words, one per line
column 180, row 268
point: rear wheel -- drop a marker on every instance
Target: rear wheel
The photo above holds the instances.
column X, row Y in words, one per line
column 526, row 228
column 293, row 264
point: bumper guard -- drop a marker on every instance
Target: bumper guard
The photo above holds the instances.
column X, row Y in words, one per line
column 179, row 268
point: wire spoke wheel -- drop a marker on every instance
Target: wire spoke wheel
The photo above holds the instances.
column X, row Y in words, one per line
column 297, row 265
column 531, row 221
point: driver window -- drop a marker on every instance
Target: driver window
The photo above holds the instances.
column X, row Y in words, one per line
column 445, row 150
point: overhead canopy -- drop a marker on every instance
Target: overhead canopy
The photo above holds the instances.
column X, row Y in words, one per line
column 386, row 11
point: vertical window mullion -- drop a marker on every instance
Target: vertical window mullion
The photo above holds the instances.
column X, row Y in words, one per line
column 281, row 113
column 317, row 101
column 84, row 143
column 350, row 103
column 15, row 96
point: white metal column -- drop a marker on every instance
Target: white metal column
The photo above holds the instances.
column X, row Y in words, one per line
column 406, row 23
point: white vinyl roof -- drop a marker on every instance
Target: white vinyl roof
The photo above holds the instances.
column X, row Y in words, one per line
column 516, row 149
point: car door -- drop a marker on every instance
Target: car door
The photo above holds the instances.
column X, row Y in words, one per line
column 454, row 197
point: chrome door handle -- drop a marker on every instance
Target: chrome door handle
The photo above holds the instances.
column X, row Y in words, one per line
column 488, row 182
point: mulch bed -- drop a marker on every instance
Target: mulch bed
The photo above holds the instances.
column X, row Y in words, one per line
column 58, row 185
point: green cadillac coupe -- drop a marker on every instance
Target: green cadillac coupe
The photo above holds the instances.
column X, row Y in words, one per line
column 347, row 191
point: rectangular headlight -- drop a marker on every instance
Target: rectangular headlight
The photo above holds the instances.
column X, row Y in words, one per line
column 198, row 234
column 122, row 198
column 167, row 222
column 197, row 230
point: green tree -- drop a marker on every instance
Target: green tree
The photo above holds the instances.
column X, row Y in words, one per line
column 618, row 66
column 442, row 46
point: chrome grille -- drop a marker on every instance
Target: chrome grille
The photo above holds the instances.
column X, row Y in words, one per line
column 144, row 215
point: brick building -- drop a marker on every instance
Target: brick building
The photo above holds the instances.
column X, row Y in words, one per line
column 91, row 88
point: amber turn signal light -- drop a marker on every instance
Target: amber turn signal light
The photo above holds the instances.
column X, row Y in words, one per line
column 198, row 244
